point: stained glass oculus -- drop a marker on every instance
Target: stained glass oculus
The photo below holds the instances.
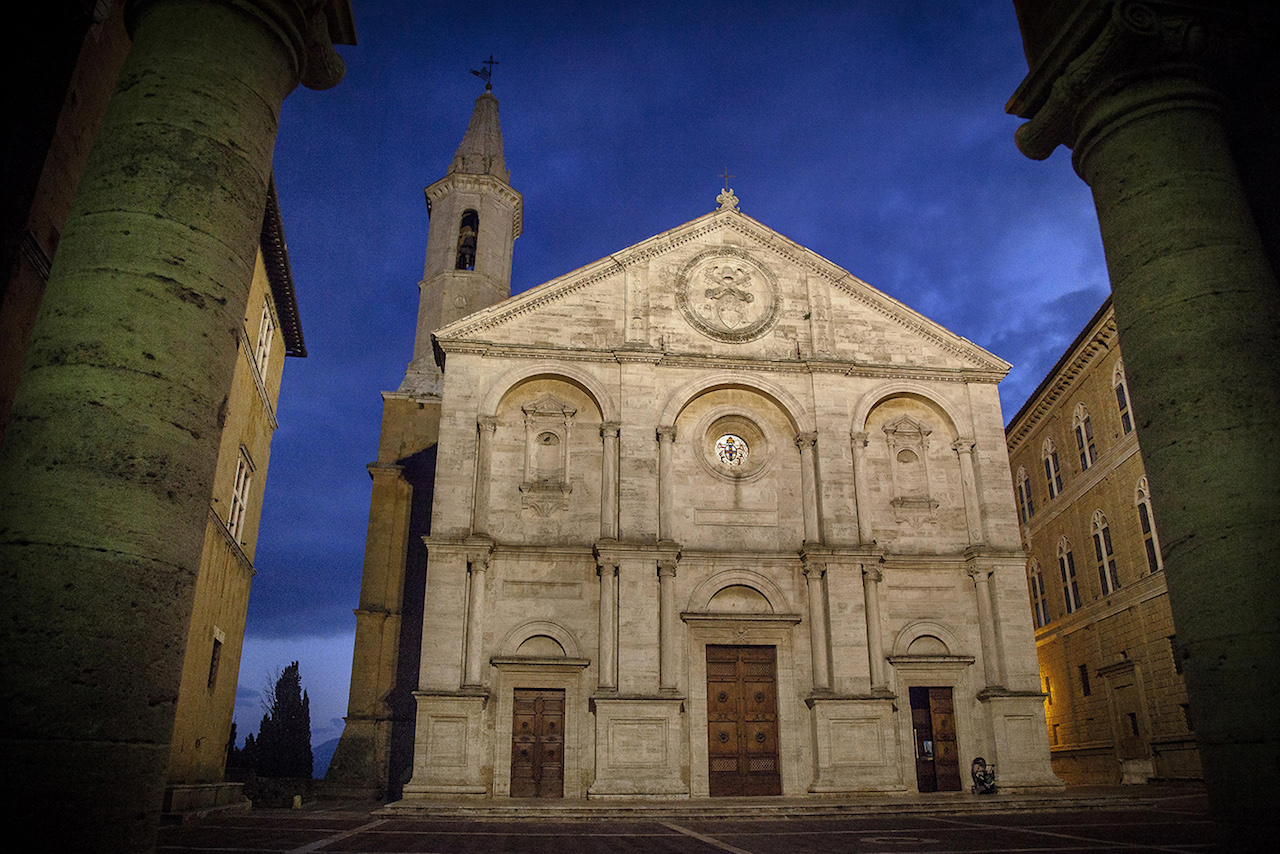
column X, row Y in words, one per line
column 731, row 450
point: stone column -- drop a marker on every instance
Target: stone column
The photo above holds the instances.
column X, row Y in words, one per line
column 1197, row 308
column 992, row 669
column 814, row 572
column 861, row 497
column 487, row 425
column 609, row 481
column 473, row 657
column 871, row 578
column 607, row 666
column 666, row 483
column 809, row 486
column 108, row 459
column 668, row 662
column 972, row 507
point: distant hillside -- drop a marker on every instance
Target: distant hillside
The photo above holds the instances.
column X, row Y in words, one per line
column 323, row 755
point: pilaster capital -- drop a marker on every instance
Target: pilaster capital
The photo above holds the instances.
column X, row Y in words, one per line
column 872, row 573
column 814, row 570
column 610, row 429
column 806, row 440
column 980, row 574
column 666, row 434
column 963, row 445
column 667, row 567
column 858, row 440
column 1101, row 47
column 487, row 423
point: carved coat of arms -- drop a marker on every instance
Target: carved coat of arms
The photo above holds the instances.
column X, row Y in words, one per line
column 728, row 295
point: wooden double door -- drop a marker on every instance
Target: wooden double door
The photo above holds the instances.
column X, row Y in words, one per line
column 537, row 744
column 933, row 721
column 742, row 721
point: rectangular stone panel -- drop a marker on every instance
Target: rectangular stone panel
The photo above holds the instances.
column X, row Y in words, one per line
column 637, row 743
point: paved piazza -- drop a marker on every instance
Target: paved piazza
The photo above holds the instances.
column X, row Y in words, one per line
column 1177, row 824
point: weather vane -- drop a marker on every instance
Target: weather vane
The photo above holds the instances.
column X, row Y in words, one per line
column 487, row 74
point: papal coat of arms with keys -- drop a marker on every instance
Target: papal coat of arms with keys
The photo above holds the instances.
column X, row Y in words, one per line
column 727, row 295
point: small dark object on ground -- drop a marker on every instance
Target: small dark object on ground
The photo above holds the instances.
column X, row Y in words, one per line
column 984, row 777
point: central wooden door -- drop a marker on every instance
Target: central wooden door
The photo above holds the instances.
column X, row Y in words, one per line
column 933, row 721
column 742, row 720
column 537, row 744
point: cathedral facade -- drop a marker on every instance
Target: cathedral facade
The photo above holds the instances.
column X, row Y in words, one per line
column 710, row 516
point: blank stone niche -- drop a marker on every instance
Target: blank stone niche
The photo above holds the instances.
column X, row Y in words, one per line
column 908, row 441
column 546, row 486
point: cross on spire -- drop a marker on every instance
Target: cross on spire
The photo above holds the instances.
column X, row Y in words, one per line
column 725, row 175
column 487, row 74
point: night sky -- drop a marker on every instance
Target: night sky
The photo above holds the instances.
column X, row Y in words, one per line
column 873, row 133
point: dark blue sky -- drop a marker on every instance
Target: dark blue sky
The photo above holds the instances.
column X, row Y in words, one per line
column 873, row 133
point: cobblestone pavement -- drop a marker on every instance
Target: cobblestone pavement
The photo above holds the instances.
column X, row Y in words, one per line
column 1177, row 824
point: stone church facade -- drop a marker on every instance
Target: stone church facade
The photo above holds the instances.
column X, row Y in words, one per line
column 710, row 516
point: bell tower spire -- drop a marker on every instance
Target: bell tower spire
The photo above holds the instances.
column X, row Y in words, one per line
column 475, row 217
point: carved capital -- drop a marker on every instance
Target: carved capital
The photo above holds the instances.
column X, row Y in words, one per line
column 487, row 422
column 666, row 434
column 610, row 430
column 814, row 570
column 806, row 440
column 980, row 575
column 1107, row 46
column 667, row 568
column 858, row 441
column 874, row 574
column 963, row 445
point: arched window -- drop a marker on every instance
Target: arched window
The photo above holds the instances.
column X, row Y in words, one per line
column 1067, row 566
column 1104, row 554
column 1083, row 428
column 467, row 232
column 1039, row 608
column 1122, row 397
column 1150, row 539
column 1026, row 507
column 1052, row 471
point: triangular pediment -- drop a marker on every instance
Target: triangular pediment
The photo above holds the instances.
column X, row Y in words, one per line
column 722, row 286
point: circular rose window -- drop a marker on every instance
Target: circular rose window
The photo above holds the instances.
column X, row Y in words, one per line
column 731, row 450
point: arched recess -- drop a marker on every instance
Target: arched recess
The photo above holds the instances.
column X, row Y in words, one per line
column 903, row 388
column 521, row 633
column 700, row 599
column 801, row 418
column 588, row 382
column 924, row 628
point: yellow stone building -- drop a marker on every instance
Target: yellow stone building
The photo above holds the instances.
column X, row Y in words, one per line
column 1116, row 704
column 206, row 700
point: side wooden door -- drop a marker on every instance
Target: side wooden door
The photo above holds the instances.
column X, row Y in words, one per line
column 537, row 744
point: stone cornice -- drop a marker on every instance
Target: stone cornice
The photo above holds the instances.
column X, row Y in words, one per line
column 1098, row 336
column 704, row 362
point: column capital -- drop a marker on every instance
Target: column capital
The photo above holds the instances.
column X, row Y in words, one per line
column 964, row 445
column 872, row 573
column 666, row 434
column 979, row 573
column 858, row 440
column 806, row 440
column 667, row 567
column 814, row 569
column 309, row 28
column 1104, row 47
column 487, row 422
column 610, row 429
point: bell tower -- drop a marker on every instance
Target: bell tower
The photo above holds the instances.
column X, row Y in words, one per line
column 475, row 217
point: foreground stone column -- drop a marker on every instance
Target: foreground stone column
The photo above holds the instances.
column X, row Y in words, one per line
column 1138, row 91
column 861, row 495
column 108, row 459
column 992, row 670
column 972, row 508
